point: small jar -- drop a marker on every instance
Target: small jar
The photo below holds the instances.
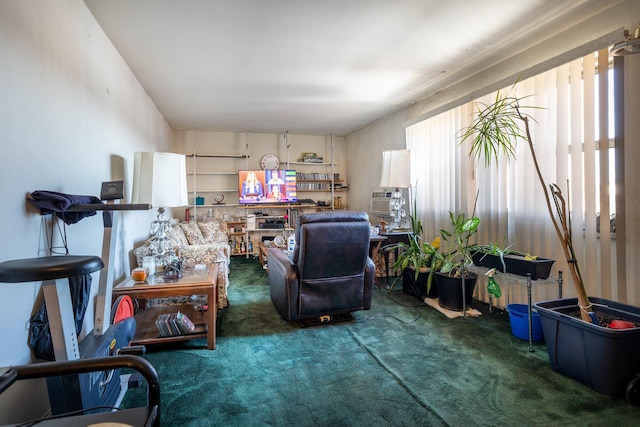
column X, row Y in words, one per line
column 149, row 263
column 139, row 274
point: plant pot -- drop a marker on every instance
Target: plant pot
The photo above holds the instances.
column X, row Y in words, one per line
column 450, row 290
column 538, row 268
column 605, row 359
column 418, row 288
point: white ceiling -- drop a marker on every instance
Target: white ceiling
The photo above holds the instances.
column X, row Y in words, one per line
column 314, row 66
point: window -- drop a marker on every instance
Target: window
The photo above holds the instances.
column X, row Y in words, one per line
column 572, row 120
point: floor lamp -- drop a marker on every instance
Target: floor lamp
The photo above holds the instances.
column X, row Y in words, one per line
column 160, row 179
column 396, row 174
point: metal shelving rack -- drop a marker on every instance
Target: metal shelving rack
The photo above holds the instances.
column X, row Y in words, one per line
column 523, row 281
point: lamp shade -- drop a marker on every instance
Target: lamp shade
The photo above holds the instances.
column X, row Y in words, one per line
column 396, row 169
column 160, row 179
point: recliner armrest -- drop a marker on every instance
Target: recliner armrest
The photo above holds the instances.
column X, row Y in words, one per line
column 283, row 283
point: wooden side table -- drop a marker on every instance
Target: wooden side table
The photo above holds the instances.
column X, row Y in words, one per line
column 375, row 242
column 194, row 282
column 392, row 237
column 263, row 254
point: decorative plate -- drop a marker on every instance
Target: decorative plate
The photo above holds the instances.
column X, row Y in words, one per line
column 218, row 198
column 279, row 241
column 269, row 162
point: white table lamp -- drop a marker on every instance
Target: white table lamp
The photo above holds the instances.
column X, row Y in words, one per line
column 160, row 179
column 396, row 174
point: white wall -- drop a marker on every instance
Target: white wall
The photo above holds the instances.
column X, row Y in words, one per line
column 72, row 114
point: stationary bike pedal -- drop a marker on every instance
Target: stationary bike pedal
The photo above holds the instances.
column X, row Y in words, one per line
column 135, row 379
column 136, row 350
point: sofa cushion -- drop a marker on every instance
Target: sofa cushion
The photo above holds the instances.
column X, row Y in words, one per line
column 204, row 254
column 177, row 236
column 193, row 233
column 213, row 231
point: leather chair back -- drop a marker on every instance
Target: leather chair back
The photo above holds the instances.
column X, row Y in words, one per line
column 330, row 271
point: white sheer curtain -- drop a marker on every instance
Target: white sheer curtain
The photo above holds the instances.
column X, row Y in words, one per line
column 571, row 105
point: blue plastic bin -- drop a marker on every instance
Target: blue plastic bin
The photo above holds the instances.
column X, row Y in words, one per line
column 519, row 320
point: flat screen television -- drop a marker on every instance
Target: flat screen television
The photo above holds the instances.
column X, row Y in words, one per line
column 267, row 186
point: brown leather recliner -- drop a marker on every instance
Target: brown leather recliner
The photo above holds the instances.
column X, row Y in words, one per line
column 330, row 271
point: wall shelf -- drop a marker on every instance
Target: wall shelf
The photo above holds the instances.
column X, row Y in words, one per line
column 209, row 174
column 219, row 156
column 313, row 164
column 321, row 178
column 214, row 162
column 213, row 173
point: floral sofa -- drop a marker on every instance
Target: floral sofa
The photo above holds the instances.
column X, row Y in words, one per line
column 200, row 243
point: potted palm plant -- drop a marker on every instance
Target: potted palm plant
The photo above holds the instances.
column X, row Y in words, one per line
column 497, row 129
column 581, row 338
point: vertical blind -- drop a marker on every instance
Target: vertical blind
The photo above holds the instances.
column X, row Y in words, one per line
column 573, row 144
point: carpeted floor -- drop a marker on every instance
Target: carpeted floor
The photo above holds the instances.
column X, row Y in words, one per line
column 401, row 363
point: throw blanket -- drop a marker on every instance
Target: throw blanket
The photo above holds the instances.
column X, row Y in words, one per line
column 51, row 202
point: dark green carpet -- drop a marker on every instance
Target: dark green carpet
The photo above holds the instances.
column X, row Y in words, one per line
column 399, row 364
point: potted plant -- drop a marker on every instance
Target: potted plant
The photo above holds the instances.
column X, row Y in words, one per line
column 497, row 128
column 581, row 339
column 414, row 261
column 450, row 265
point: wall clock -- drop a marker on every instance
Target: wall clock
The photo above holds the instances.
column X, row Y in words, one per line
column 279, row 241
column 269, row 162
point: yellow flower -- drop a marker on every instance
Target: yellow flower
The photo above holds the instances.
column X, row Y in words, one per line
column 436, row 242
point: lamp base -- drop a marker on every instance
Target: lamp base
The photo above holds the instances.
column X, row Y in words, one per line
column 161, row 246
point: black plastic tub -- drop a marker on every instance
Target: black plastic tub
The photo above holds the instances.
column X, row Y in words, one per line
column 539, row 268
column 605, row 359
column 450, row 291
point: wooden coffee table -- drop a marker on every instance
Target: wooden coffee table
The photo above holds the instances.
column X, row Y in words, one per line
column 194, row 282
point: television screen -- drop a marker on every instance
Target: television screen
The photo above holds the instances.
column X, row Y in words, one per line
column 266, row 186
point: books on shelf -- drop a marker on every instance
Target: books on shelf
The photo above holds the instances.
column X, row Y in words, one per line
column 310, row 158
column 184, row 323
column 172, row 324
column 316, row 176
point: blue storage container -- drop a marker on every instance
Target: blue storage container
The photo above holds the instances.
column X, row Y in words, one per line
column 519, row 319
